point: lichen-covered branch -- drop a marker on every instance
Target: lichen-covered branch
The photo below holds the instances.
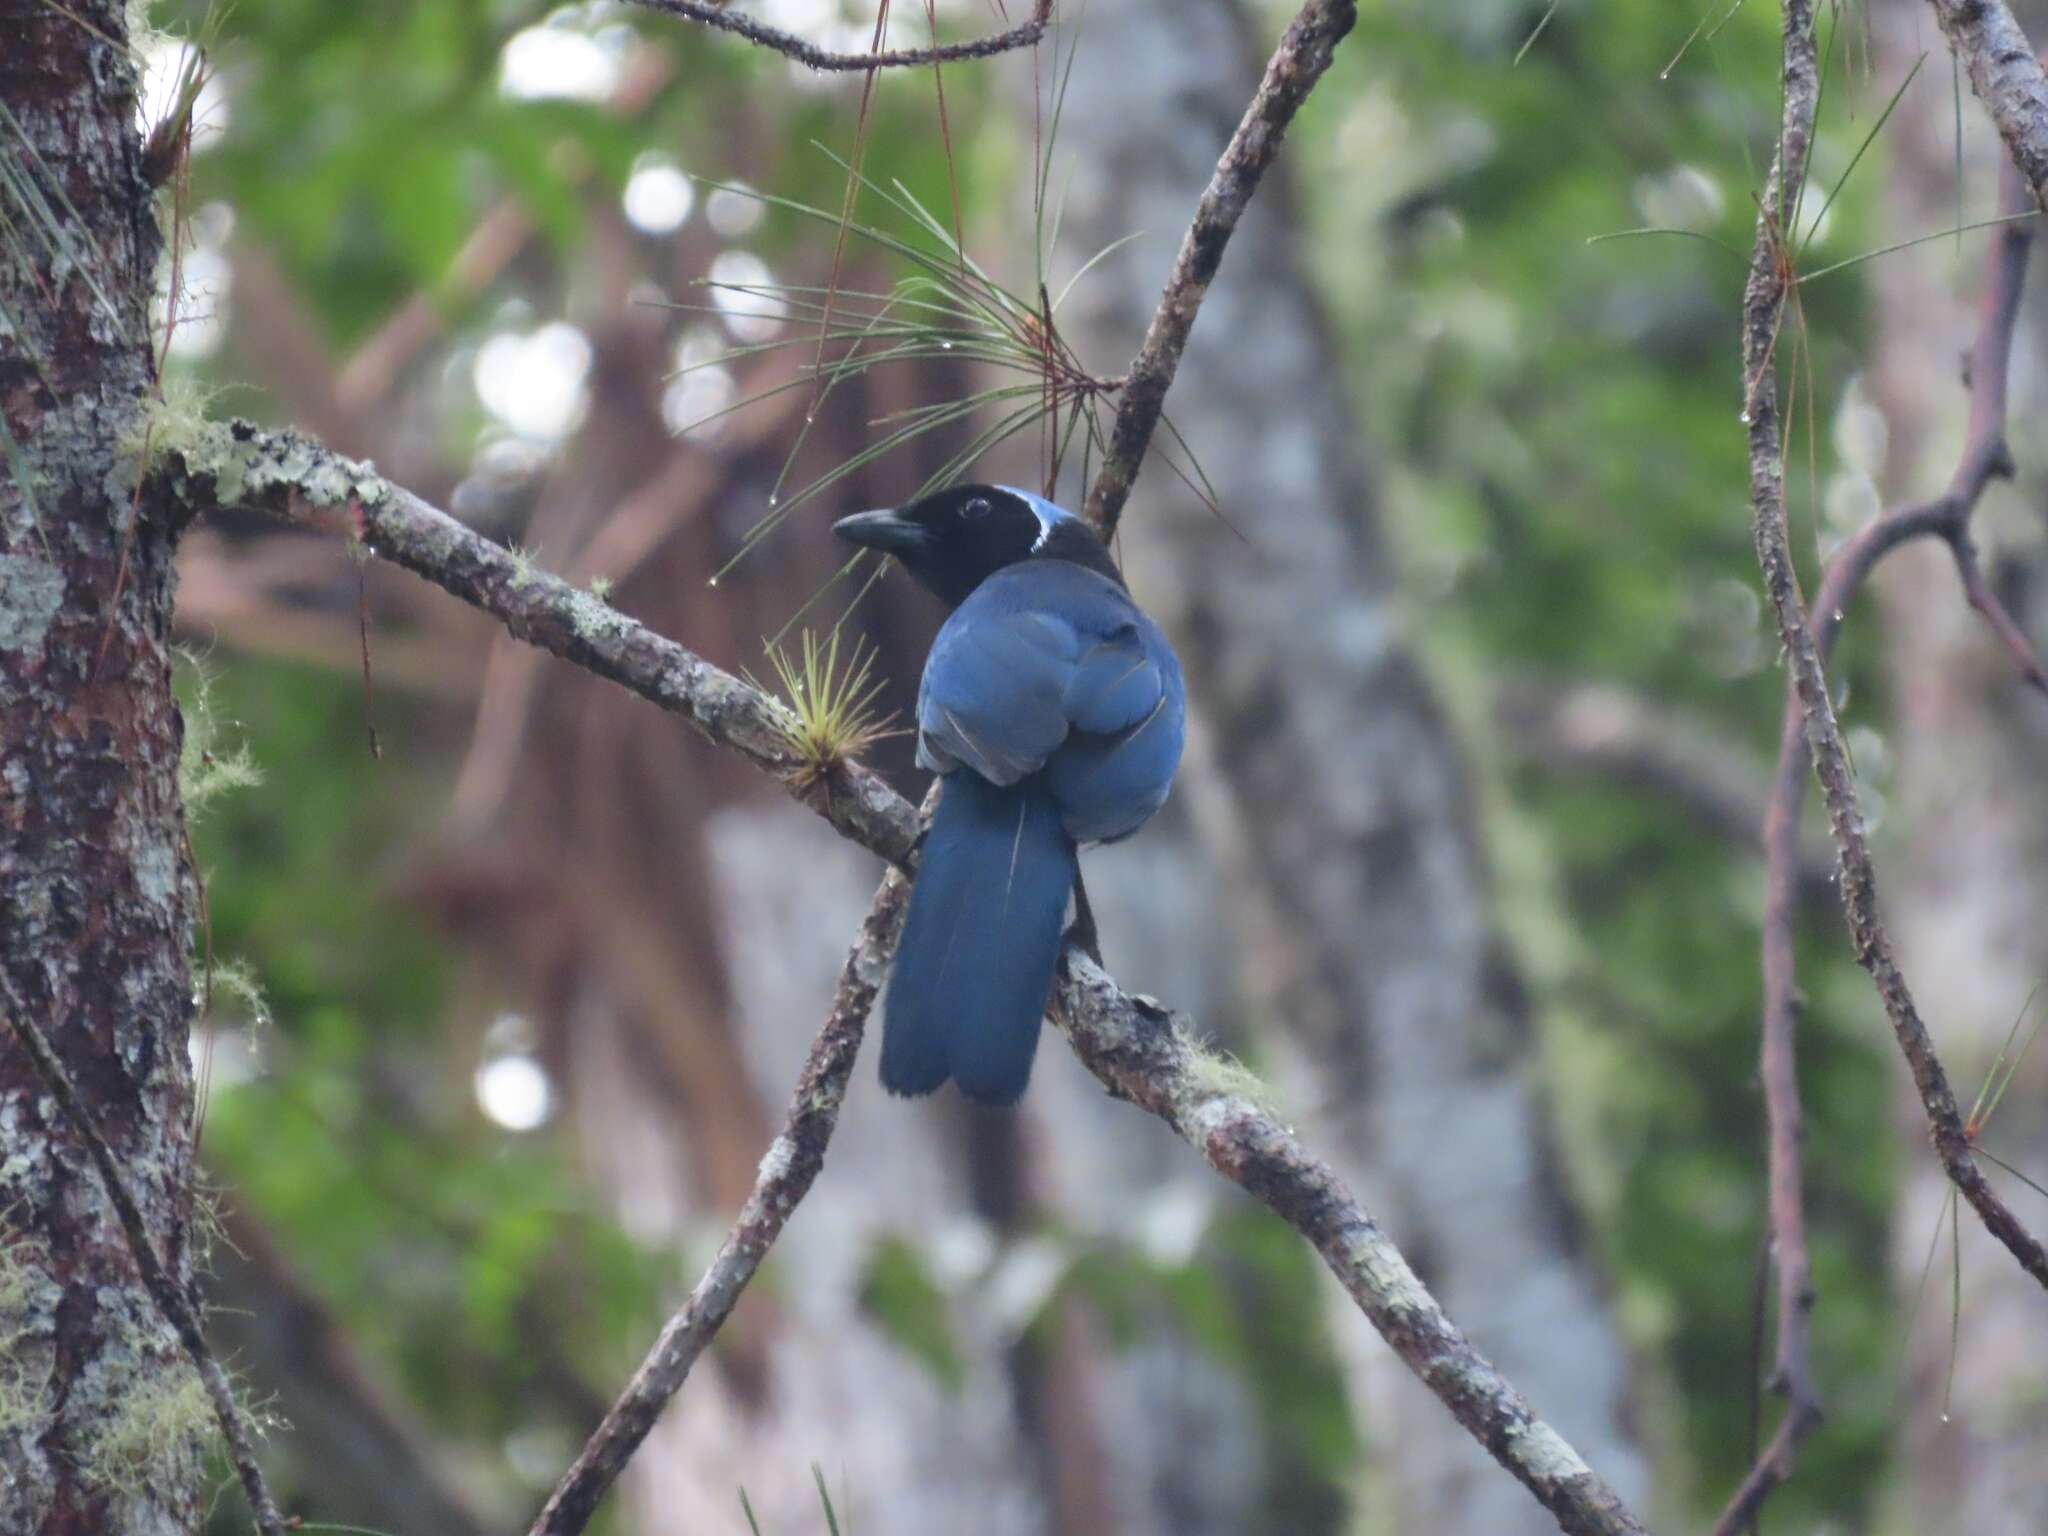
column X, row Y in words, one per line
column 1150, row 1055
column 1131, row 1043
column 1812, row 733
column 714, row 13
column 1301, row 59
column 291, row 477
column 2008, row 80
column 787, row 1171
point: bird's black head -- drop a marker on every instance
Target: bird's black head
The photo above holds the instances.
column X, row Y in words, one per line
column 955, row 539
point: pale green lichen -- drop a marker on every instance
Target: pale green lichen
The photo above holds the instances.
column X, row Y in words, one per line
column 27, row 1395
column 26, row 1291
column 173, row 420
column 246, row 465
column 235, row 982
column 590, row 617
column 777, row 1161
column 31, row 595
column 1214, row 1073
column 208, row 765
column 161, row 1419
column 159, row 871
column 601, row 588
column 1545, row 1453
column 525, row 564
column 1387, row 1274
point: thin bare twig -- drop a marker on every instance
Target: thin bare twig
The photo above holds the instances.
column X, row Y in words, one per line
column 1131, row 1043
column 1298, row 63
column 810, row 55
column 1811, row 733
column 171, row 1297
column 787, row 1171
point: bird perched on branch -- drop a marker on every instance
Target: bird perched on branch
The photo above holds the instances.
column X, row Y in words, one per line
column 1053, row 709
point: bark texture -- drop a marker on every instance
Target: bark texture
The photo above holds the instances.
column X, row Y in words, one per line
column 102, row 1421
column 1330, row 784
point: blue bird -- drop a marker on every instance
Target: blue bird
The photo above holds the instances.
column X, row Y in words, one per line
column 1053, row 709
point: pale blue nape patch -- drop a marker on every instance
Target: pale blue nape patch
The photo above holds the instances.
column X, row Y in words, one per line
column 1048, row 513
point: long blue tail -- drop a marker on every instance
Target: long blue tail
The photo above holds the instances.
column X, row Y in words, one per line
column 975, row 965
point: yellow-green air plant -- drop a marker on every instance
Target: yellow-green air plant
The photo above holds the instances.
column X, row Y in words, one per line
column 829, row 706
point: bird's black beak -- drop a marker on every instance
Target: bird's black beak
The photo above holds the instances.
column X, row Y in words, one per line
column 888, row 531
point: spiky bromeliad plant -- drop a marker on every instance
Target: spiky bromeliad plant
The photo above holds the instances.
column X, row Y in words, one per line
column 830, row 710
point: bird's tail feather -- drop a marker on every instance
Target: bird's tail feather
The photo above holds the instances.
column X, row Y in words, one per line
column 975, row 965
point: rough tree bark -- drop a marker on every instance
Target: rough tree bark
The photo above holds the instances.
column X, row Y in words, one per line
column 1968, row 738
column 1332, row 783
column 101, row 1420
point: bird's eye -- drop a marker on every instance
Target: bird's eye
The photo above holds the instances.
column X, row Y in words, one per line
column 977, row 507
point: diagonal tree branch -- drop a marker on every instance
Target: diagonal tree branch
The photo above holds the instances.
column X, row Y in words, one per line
column 1298, row 63
column 787, row 1171
column 294, row 478
column 2008, row 80
column 1132, row 1044
column 1811, row 733
column 713, row 13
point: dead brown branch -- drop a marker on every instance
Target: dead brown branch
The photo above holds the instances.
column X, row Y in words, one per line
column 1812, row 734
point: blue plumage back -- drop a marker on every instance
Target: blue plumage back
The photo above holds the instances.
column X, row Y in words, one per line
column 975, row 965
column 1054, row 710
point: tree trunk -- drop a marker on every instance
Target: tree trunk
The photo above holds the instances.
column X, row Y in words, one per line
column 1969, row 842
column 102, row 1421
column 1329, row 785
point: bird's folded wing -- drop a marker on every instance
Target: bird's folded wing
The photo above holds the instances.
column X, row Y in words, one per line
column 1115, row 684
column 994, row 693
column 1036, row 661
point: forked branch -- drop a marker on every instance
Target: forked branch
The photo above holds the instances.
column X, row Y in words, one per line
column 1811, row 733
